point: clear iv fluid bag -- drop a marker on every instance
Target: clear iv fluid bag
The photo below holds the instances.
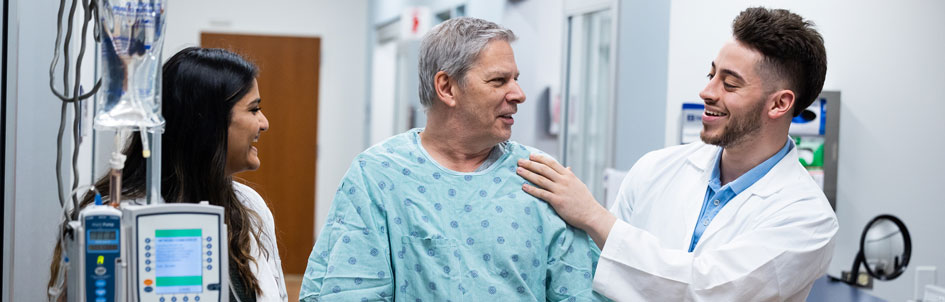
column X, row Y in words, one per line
column 130, row 65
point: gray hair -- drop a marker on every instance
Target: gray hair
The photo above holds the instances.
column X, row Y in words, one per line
column 453, row 47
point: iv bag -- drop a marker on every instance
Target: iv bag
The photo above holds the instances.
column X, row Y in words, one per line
column 132, row 38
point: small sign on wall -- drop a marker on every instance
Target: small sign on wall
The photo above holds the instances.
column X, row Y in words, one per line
column 690, row 122
column 812, row 120
column 415, row 22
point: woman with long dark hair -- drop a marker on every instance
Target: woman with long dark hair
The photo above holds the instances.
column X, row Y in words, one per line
column 211, row 105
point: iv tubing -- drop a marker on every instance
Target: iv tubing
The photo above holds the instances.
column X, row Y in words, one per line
column 117, row 163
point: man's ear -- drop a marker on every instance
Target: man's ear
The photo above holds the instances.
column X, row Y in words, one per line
column 782, row 104
column 445, row 88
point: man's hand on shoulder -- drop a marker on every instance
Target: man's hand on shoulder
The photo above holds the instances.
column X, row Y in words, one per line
column 559, row 187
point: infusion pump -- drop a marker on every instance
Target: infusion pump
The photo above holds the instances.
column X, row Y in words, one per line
column 161, row 253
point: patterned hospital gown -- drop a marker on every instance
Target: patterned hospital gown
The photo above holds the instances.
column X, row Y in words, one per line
column 403, row 228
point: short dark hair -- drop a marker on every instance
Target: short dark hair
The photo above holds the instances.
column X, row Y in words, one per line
column 793, row 50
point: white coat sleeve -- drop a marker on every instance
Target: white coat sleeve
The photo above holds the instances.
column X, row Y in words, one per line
column 777, row 261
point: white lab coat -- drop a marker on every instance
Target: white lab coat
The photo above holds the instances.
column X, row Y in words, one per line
column 268, row 270
column 769, row 243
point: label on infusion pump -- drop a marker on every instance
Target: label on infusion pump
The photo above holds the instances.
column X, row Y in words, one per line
column 178, row 256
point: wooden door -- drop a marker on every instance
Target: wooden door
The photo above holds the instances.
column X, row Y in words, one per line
column 288, row 87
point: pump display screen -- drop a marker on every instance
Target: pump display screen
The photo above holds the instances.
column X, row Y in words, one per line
column 178, row 266
column 102, row 235
column 102, row 241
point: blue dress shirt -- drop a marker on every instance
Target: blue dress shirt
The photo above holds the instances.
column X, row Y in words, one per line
column 717, row 195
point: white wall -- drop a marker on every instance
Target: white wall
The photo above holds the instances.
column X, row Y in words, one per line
column 342, row 27
column 888, row 60
column 642, row 56
column 31, row 207
column 538, row 53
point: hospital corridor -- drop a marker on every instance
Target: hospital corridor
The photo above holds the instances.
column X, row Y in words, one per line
column 456, row 150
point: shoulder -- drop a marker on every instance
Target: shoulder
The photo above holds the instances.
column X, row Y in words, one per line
column 246, row 193
column 799, row 204
column 670, row 158
column 391, row 149
column 676, row 153
column 393, row 143
column 390, row 152
column 789, row 176
column 251, row 198
column 794, row 182
column 523, row 151
column 791, row 194
column 665, row 166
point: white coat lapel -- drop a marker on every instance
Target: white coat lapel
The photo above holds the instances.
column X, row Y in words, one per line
column 701, row 162
column 769, row 184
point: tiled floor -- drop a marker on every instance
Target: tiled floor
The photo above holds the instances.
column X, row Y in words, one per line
column 292, row 285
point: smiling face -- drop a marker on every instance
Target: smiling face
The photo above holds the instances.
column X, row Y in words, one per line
column 734, row 98
column 491, row 94
column 246, row 123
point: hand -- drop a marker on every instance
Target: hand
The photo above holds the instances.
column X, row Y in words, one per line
column 570, row 198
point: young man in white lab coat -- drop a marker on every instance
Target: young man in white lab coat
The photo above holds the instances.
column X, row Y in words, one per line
column 732, row 218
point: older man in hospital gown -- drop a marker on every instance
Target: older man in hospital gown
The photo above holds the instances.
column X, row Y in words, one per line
column 438, row 214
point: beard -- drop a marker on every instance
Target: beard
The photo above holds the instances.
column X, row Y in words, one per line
column 739, row 128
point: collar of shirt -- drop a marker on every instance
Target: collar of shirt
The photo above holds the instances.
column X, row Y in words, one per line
column 717, row 196
column 494, row 155
column 749, row 178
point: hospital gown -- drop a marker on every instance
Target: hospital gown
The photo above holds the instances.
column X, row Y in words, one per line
column 403, row 228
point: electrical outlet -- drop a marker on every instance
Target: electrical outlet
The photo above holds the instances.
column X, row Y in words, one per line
column 924, row 275
column 934, row 293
